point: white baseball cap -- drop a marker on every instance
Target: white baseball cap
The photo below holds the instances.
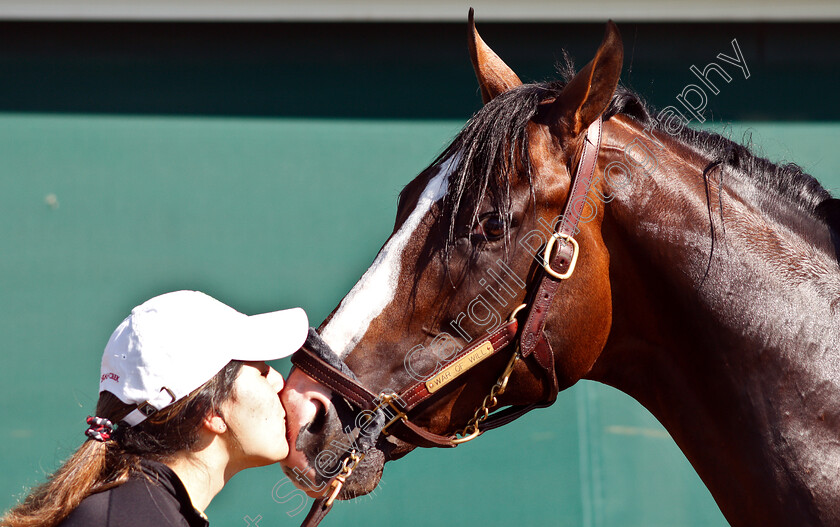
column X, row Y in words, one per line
column 172, row 344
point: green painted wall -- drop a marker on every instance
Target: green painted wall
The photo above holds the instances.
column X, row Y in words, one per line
column 109, row 195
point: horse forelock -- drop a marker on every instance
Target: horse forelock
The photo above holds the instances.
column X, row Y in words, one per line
column 492, row 144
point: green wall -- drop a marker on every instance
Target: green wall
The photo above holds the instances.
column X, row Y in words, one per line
column 137, row 159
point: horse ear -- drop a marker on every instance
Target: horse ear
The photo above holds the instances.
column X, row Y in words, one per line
column 587, row 95
column 494, row 76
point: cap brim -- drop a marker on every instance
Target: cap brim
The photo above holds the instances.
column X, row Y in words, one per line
column 271, row 336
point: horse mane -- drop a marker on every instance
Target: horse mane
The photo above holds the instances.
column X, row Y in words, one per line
column 494, row 140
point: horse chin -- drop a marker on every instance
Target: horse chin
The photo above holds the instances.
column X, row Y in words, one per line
column 368, row 473
column 365, row 477
column 363, row 480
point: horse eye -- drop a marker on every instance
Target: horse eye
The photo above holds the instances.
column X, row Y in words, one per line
column 488, row 228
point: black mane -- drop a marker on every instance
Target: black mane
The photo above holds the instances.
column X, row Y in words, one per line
column 495, row 139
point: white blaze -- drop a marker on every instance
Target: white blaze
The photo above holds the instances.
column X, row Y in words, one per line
column 375, row 290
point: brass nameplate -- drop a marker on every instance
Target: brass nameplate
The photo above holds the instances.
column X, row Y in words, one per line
column 458, row 367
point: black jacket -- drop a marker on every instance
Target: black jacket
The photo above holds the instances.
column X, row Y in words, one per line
column 140, row 503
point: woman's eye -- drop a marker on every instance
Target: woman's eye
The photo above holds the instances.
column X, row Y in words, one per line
column 488, row 228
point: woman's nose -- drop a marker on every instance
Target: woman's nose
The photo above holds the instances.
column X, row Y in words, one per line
column 275, row 379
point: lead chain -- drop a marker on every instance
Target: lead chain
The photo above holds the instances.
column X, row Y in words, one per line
column 471, row 431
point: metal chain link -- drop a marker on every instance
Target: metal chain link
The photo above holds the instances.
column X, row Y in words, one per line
column 471, row 431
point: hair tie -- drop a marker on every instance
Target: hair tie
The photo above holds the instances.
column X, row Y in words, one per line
column 100, row 428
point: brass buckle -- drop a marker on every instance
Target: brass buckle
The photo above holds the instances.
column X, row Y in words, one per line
column 547, row 256
column 388, row 398
column 516, row 311
column 148, row 409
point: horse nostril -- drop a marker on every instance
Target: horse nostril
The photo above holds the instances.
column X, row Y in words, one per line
column 320, row 419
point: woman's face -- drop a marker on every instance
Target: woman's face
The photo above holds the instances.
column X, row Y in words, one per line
column 256, row 418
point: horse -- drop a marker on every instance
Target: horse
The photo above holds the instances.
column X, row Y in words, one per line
column 689, row 273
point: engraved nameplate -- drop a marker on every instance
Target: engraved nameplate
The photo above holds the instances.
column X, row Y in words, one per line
column 459, row 366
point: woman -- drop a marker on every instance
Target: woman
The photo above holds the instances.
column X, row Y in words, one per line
column 185, row 402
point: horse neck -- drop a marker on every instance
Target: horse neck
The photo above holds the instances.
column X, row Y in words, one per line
column 736, row 354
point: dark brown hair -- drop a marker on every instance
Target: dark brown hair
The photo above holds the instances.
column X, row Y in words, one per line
column 98, row 466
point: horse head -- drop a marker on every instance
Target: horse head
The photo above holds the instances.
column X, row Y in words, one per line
column 465, row 252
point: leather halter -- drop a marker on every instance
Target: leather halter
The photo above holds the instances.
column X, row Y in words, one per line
column 533, row 346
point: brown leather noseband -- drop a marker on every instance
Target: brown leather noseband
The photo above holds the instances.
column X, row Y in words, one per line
column 533, row 346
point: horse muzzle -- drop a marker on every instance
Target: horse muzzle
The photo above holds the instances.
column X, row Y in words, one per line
column 321, row 436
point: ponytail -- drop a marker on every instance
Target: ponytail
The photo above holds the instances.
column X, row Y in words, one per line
column 79, row 477
column 98, row 465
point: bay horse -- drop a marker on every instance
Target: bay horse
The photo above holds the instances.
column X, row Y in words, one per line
column 698, row 278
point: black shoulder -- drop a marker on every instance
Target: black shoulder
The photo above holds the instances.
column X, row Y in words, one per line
column 136, row 503
column 92, row 512
column 141, row 503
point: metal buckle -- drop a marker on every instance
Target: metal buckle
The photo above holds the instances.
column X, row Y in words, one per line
column 547, row 256
column 516, row 311
column 388, row 398
column 148, row 409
